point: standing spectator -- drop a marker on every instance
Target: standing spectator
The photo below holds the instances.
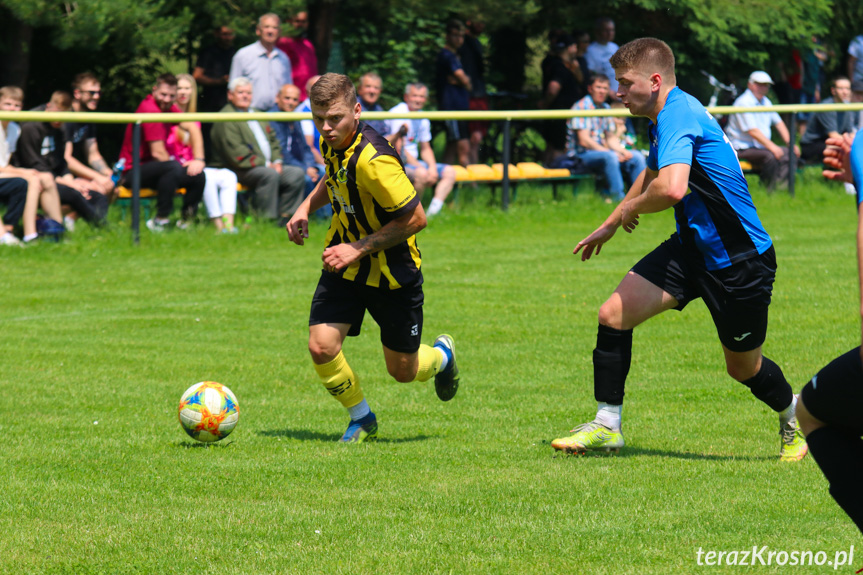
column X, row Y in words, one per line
column 810, row 87
column 220, row 190
column 857, row 98
column 601, row 50
column 213, row 70
column 159, row 170
column 82, row 153
column 41, row 189
column 300, row 51
column 579, row 65
column 412, row 137
column 855, row 59
column 252, row 151
column 828, row 124
column 369, row 91
column 473, row 63
column 453, row 92
column 560, row 90
column 267, row 67
column 750, row 133
column 595, row 142
column 42, row 147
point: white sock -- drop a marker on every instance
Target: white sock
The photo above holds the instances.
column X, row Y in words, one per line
column 609, row 415
column 786, row 414
column 359, row 411
column 445, row 361
column 435, row 206
column 30, row 237
column 850, row 189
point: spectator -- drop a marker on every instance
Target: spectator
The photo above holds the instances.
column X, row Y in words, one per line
column 13, row 193
column 300, row 51
column 295, row 150
column 159, row 170
column 560, row 90
column 855, row 59
column 595, row 142
column 213, row 70
column 368, row 92
column 82, row 155
column 600, row 51
column 413, row 139
column 220, row 189
column 828, row 124
column 750, row 133
column 453, row 92
column 40, row 187
column 267, row 67
column 579, row 66
column 857, row 98
column 313, row 137
column 813, row 60
column 473, row 63
column 252, row 151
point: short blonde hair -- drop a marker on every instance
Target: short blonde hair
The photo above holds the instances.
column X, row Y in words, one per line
column 646, row 55
column 331, row 87
column 13, row 93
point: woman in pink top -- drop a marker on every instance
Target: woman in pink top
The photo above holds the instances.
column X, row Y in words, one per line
column 220, row 191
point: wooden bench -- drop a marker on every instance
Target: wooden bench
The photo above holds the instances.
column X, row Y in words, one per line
column 517, row 173
column 148, row 198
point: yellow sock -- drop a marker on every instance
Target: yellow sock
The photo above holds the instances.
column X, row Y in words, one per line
column 429, row 362
column 341, row 381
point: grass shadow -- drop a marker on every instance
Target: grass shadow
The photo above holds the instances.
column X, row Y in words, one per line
column 309, row 435
column 202, row 445
column 642, row 451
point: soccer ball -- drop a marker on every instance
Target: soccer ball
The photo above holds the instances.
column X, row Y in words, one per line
column 208, row 411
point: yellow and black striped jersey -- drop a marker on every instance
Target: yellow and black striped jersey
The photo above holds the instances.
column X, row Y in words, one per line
column 368, row 188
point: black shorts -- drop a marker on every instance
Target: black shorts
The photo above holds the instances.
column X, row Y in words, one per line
column 835, row 395
column 456, row 130
column 399, row 313
column 737, row 296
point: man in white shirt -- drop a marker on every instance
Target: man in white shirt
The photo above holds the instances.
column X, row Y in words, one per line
column 750, row 133
column 412, row 138
column 265, row 65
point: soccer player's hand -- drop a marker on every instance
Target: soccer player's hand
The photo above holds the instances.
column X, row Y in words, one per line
column 837, row 156
column 628, row 219
column 298, row 227
column 594, row 242
column 340, row 256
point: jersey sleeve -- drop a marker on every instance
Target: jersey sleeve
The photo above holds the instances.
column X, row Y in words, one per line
column 857, row 165
column 386, row 181
column 675, row 141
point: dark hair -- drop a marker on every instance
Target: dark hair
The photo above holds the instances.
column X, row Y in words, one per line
column 167, row 79
column 835, row 80
column 597, row 77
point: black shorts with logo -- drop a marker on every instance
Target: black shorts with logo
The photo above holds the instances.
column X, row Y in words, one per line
column 835, row 394
column 399, row 312
column 737, row 296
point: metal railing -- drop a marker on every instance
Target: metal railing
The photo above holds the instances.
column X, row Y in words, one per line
column 504, row 116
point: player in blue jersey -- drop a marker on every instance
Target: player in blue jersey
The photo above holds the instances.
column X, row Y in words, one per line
column 719, row 253
column 831, row 404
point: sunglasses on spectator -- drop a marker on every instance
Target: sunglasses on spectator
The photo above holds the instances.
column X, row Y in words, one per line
column 92, row 92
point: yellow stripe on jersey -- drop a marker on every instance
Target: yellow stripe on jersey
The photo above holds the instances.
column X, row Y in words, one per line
column 368, row 188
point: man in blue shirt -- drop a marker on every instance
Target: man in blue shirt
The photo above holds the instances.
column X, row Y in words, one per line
column 720, row 251
column 830, row 404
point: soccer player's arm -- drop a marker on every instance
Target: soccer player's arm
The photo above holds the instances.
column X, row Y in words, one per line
column 298, row 226
column 388, row 184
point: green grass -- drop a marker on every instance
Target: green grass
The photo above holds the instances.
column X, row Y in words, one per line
column 100, row 338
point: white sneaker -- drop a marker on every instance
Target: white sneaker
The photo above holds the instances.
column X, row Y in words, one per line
column 156, row 226
column 8, row 239
column 182, row 225
column 69, row 223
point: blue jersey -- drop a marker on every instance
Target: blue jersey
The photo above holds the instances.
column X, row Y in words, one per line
column 857, row 165
column 717, row 218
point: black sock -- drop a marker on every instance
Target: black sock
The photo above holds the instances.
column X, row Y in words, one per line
column 611, row 360
column 770, row 386
column 839, row 454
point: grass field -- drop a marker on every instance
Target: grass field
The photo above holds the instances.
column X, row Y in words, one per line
column 100, row 338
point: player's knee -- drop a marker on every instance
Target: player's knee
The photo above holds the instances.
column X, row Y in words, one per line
column 610, row 314
column 323, row 351
column 740, row 372
column 402, row 372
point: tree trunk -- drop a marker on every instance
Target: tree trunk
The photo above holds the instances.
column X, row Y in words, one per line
column 322, row 19
column 15, row 38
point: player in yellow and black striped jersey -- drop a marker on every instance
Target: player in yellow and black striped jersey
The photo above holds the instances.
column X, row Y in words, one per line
column 371, row 260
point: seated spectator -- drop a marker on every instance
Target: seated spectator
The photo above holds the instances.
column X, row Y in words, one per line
column 300, row 51
column 82, row 154
column 13, row 193
column 220, row 188
column 595, row 141
column 310, row 131
column 295, row 150
column 252, row 151
column 623, row 129
column 413, row 140
column 159, row 171
column 750, row 133
column 453, row 92
column 42, row 147
column 368, row 91
column 825, row 125
column 857, row 98
column 41, row 189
